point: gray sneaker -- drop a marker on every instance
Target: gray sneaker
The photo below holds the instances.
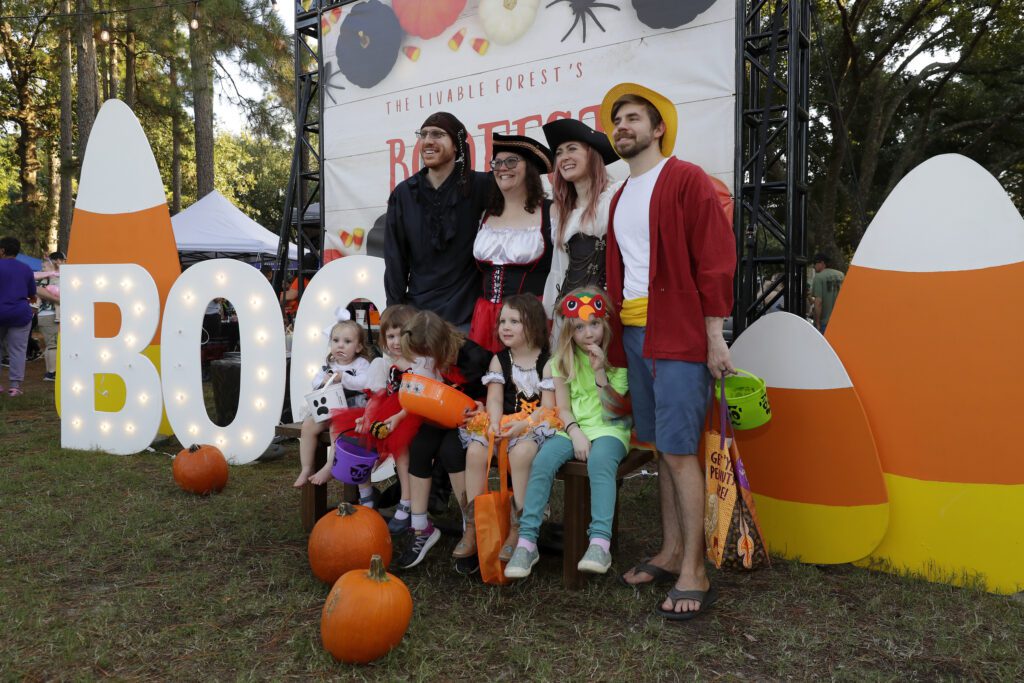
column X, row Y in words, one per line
column 521, row 563
column 595, row 561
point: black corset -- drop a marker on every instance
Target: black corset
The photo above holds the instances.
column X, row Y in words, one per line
column 586, row 263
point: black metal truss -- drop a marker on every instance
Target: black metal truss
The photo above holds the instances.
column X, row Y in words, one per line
column 772, row 72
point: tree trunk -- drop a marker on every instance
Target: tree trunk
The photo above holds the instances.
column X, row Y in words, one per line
column 86, row 53
column 129, row 63
column 104, row 75
column 112, row 70
column 202, row 94
column 67, row 146
column 175, row 142
column 28, row 170
column 56, row 178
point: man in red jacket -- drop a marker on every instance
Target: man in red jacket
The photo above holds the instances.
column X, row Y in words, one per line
column 671, row 256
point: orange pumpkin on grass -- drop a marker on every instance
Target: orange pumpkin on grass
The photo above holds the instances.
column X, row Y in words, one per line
column 366, row 614
column 201, row 469
column 346, row 540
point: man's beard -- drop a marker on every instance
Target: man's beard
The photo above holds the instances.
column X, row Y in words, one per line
column 440, row 158
column 640, row 143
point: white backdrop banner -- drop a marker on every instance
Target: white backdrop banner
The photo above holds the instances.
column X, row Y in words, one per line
column 507, row 66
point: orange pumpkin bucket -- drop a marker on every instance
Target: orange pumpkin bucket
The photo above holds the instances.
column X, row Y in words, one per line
column 434, row 401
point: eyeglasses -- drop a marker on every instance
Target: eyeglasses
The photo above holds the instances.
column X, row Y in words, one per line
column 507, row 162
column 430, row 134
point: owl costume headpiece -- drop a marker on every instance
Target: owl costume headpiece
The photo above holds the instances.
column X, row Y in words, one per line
column 585, row 305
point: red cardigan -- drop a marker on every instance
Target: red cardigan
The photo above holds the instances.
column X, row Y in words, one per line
column 693, row 260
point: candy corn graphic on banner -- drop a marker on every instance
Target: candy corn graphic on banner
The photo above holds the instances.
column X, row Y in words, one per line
column 121, row 216
column 933, row 299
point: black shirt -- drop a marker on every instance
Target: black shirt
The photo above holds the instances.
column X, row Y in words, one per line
column 428, row 247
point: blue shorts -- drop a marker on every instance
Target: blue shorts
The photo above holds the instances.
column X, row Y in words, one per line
column 669, row 397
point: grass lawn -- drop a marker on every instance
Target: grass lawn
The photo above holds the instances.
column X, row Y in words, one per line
column 108, row 569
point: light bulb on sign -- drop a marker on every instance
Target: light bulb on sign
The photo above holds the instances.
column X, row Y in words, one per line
column 193, row 430
column 129, row 428
column 221, row 441
column 76, row 423
column 76, row 387
column 261, row 373
column 261, row 336
column 187, row 297
column 362, row 274
column 101, row 282
column 139, row 308
column 105, row 427
column 325, row 297
column 181, row 397
column 143, row 398
column 221, row 278
column 76, row 283
column 247, row 437
column 76, row 319
column 259, row 404
column 130, row 340
column 126, row 284
column 104, row 356
column 311, row 370
column 255, row 302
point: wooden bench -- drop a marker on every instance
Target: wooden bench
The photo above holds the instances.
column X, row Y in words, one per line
column 313, row 502
column 576, row 511
column 576, row 506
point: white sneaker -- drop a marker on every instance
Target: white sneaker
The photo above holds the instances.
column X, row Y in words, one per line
column 596, row 560
column 521, row 564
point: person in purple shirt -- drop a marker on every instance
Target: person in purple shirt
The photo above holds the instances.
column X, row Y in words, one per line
column 17, row 286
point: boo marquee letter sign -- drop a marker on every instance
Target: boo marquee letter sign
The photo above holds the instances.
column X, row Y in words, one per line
column 131, row 289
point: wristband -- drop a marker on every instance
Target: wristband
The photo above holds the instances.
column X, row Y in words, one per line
column 571, row 425
column 600, row 386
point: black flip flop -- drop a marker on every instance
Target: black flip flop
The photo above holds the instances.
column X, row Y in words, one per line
column 658, row 574
column 705, row 598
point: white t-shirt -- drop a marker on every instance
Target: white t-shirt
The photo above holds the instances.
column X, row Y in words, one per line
column 633, row 231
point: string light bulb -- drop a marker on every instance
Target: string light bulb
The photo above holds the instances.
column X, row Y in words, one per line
column 194, row 23
column 105, row 34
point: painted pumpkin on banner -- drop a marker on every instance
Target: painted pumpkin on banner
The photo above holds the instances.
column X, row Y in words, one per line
column 506, row 21
column 345, row 540
column 366, row 614
column 933, row 295
column 813, row 468
column 669, row 13
column 368, row 43
column 427, row 18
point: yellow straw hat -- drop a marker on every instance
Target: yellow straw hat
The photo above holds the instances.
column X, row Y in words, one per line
column 660, row 102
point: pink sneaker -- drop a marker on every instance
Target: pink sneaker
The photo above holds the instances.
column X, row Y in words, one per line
column 15, row 391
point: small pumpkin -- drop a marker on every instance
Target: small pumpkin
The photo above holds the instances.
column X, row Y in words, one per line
column 346, row 540
column 506, row 21
column 200, row 469
column 427, row 18
column 366, row 614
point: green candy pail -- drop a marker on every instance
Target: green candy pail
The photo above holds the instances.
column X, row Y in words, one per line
column 748, row 400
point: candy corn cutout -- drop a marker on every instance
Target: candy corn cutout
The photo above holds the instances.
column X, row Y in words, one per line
column 932, row 300
column 480, row 45
column 455, row 42
column 357, row 237
column 813, row 468
column 121, row 216
column 412, row 52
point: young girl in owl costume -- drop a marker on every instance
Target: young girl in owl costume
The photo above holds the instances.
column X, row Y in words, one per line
column 590, row 399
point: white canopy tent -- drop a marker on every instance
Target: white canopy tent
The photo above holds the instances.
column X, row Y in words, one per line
column 213, row 227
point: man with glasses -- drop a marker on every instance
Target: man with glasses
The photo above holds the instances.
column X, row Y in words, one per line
column 431, row 224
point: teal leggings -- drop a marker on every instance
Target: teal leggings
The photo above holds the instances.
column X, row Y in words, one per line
column 606, row 452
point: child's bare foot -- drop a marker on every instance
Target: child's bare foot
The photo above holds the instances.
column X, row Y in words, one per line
column 303, row 478
column 321, row 477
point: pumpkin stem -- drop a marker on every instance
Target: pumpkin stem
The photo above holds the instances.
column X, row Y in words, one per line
column 376, row 572
column 364, row 40
column 509, row 4
column 345, row 509
column 194, row 447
